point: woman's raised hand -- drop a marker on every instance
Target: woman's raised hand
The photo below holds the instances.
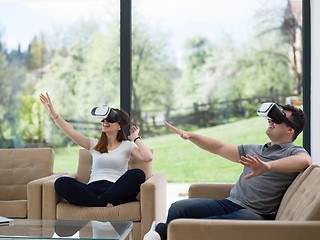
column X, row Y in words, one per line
column 66, row 127
column 48, row 105
column 184, row 134
column 134, row 132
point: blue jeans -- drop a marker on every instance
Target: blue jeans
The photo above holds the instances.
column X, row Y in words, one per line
column 210, row 209
column 206, row 209
column 100, row 193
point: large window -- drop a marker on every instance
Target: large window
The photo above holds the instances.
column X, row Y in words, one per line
column 206, row 66
column 69, row 49
column 203, row 66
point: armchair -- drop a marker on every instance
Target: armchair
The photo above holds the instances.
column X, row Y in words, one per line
column 151, row 204
column 22, row 173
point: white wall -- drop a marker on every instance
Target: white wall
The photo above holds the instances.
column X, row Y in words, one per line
column 315, row 81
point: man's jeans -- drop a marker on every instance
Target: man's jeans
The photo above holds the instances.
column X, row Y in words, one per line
column 210, row 209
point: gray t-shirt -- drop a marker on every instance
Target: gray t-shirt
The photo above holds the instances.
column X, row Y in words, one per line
column 263, row 194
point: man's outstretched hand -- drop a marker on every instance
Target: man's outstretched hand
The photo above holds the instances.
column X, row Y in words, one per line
column 184, row 134
column 257, row 166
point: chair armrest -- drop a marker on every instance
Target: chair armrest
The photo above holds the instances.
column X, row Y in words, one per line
column 34, row 195
column 50, row 198
column 216, row 191
column 153, row 197
column 190, row 229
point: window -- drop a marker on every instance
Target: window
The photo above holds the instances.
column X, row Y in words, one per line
column 207, row 66
column 69, row 49
column 203, row 66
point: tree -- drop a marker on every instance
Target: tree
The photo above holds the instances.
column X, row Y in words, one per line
column 292, row 29
column 36, row 53
column 16, row 56
column 259, row 67
column 197, row 50
column 30, row 121
column 268, row 52
column 153, row 71
column 262, row 69
column 11, row 82
column 216, row 75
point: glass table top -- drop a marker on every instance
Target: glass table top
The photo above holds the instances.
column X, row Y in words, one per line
column 72, row 229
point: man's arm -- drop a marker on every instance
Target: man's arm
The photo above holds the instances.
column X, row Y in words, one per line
column 209, row 144
column 295, row 163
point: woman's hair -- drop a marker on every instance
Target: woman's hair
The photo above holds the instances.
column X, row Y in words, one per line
column 102, row 145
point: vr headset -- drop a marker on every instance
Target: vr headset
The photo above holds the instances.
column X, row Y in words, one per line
column 105, row 113
column 271, row 111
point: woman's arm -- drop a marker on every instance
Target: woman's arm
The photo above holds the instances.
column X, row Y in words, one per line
column 142, row 152
column 209, row 144
column 64, row 125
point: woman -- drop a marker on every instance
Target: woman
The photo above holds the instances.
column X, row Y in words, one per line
column 111, row 183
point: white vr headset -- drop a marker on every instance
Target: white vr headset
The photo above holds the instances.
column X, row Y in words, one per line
column 271, row 111
column 105, row 113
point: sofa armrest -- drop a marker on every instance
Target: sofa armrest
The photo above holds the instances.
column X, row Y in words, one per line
column 190, row 229
column 50, row 198
column 153, row 197
column 216, row 191
column 34, row 195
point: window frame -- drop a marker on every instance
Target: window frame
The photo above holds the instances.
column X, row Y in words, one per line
column 306, row 72
column 125, row 57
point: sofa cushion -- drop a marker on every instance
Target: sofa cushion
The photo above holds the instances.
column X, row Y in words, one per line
column 84, row 166
column 14, row 208
column 304, row 204
column 19, row 167
column 144, row 166
column 13, row 192
column 292, row 189
column 124, row 212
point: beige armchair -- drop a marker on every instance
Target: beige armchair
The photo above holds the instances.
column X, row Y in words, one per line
column 151, row 204
column 22, row 172
column 298, row 216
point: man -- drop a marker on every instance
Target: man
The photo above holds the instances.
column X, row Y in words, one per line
column 268, row 171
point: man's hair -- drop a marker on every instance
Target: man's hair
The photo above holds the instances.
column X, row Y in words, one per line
column 298, row 118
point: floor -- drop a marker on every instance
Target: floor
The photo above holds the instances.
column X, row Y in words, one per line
column 176, row 192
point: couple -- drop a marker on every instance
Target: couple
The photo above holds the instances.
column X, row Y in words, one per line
column 268, row 170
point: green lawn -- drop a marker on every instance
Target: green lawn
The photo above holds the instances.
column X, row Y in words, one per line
column 66, row 159
column 182, row 161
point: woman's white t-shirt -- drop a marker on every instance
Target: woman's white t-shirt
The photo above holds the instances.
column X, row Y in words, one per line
column 110, row 166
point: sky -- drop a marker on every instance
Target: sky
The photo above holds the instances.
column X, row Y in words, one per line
column 211, row 18
column 21, row 20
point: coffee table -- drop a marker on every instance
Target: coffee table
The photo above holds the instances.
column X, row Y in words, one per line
column 71, row 229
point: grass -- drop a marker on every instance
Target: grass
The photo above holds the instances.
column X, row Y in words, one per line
column 182, row 161
column 66, row 159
